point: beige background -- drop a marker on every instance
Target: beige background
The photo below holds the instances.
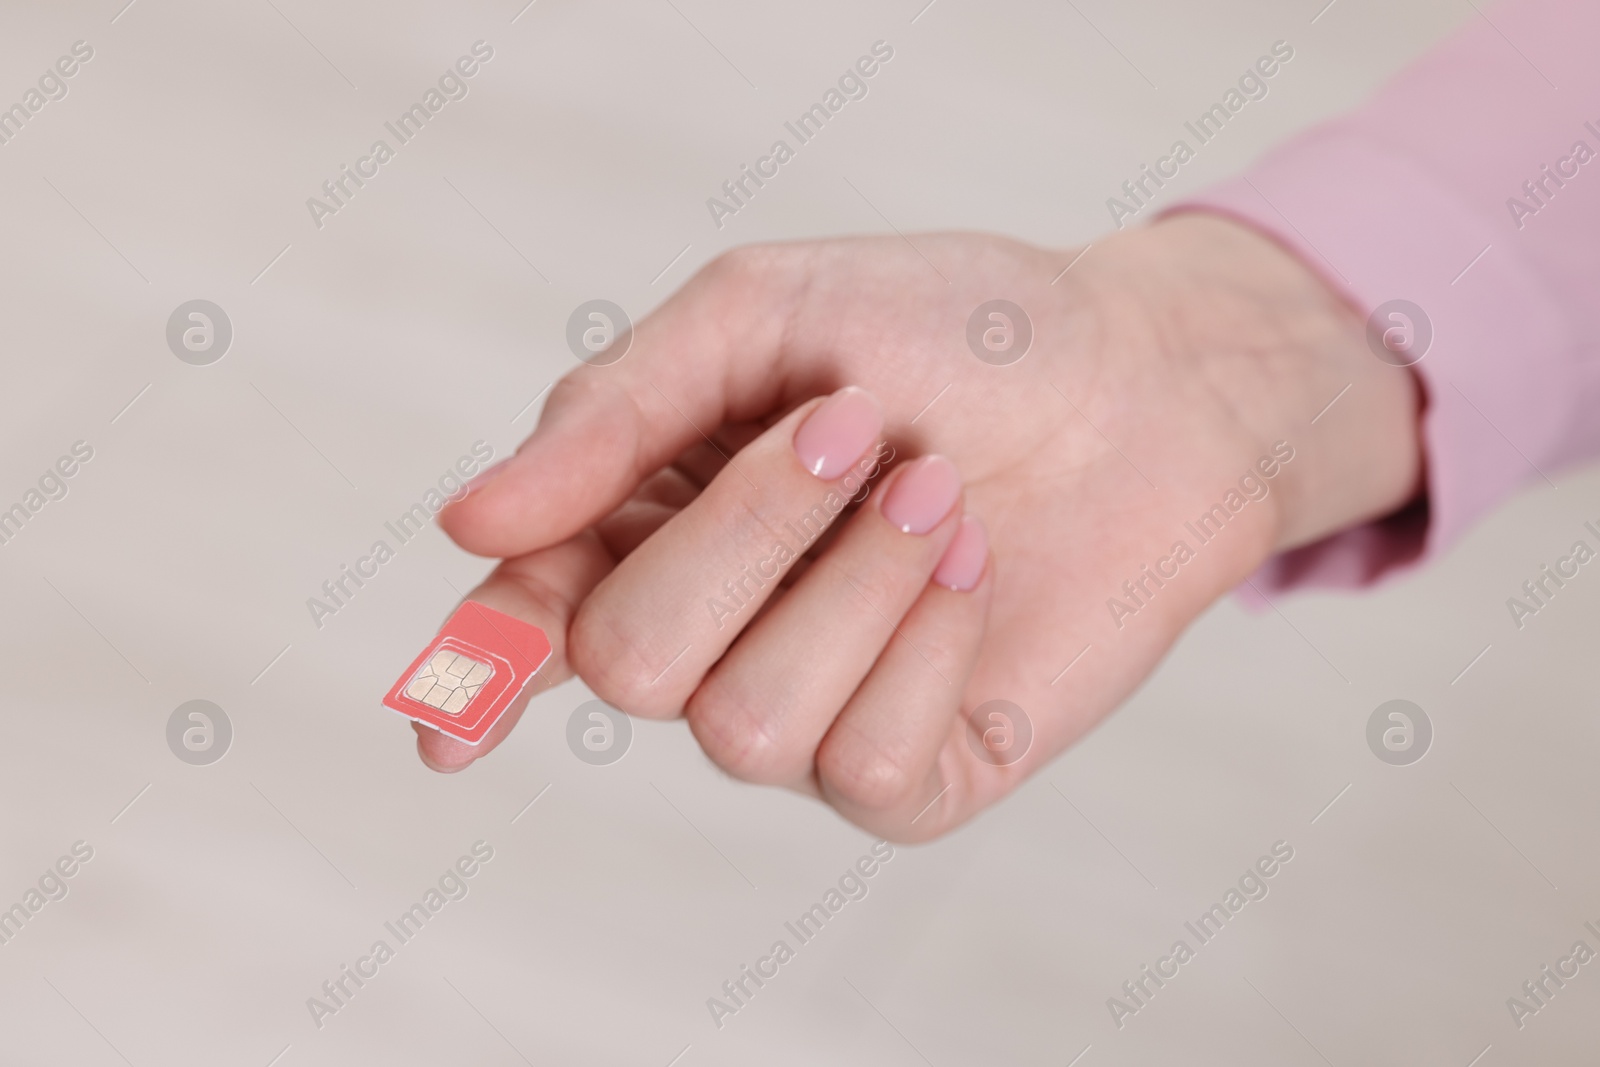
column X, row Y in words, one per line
column 407, row 328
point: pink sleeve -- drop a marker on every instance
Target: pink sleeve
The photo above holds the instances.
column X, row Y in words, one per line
column 1469, row 186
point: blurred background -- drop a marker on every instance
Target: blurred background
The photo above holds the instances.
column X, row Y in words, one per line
column 368, row 354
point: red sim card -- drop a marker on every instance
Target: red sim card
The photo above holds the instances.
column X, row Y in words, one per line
column 470, row 673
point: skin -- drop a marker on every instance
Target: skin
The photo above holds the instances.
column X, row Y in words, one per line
column 1165, row 364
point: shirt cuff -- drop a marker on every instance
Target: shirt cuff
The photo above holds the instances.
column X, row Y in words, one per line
column 1496, row 373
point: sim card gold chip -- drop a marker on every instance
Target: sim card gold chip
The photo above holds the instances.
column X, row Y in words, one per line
column 448, row 681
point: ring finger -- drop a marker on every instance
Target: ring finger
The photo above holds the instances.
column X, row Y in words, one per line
column 762, row 710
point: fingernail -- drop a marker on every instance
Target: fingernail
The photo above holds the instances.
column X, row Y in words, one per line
column 922, row 495
column 838, row 433
column 485, row 476
column 966, row 557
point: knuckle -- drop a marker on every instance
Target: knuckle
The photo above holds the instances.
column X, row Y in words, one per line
column 755, row 525
column 879, row 591
column 744, row 261
column 737, row 739
column 862, row 773
column 753, row 292
column 760, row 272
column 578, row 389
column 612, row 666
column 944, row 652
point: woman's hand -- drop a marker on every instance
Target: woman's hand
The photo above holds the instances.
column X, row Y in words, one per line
column 1173, row 374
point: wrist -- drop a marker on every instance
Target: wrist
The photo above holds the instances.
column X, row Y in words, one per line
column 1291, row 353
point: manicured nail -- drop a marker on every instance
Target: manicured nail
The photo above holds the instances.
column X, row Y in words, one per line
column 922, row 495
column 966, row 557
column 838, row 433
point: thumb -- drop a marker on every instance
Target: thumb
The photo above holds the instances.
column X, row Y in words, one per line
column 712, row 353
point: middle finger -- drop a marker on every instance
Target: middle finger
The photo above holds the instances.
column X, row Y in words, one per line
column 650, row 631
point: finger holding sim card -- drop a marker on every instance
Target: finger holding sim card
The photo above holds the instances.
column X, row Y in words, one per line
column 519, row 614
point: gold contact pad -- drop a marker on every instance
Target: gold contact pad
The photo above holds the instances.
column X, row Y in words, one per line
column 449, row 681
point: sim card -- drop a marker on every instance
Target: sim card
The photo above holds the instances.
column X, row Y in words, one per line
column 470, row 672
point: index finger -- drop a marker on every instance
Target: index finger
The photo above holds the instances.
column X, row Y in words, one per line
column 543, row 589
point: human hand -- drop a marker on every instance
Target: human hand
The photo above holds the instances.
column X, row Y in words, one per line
column 1167, row 366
